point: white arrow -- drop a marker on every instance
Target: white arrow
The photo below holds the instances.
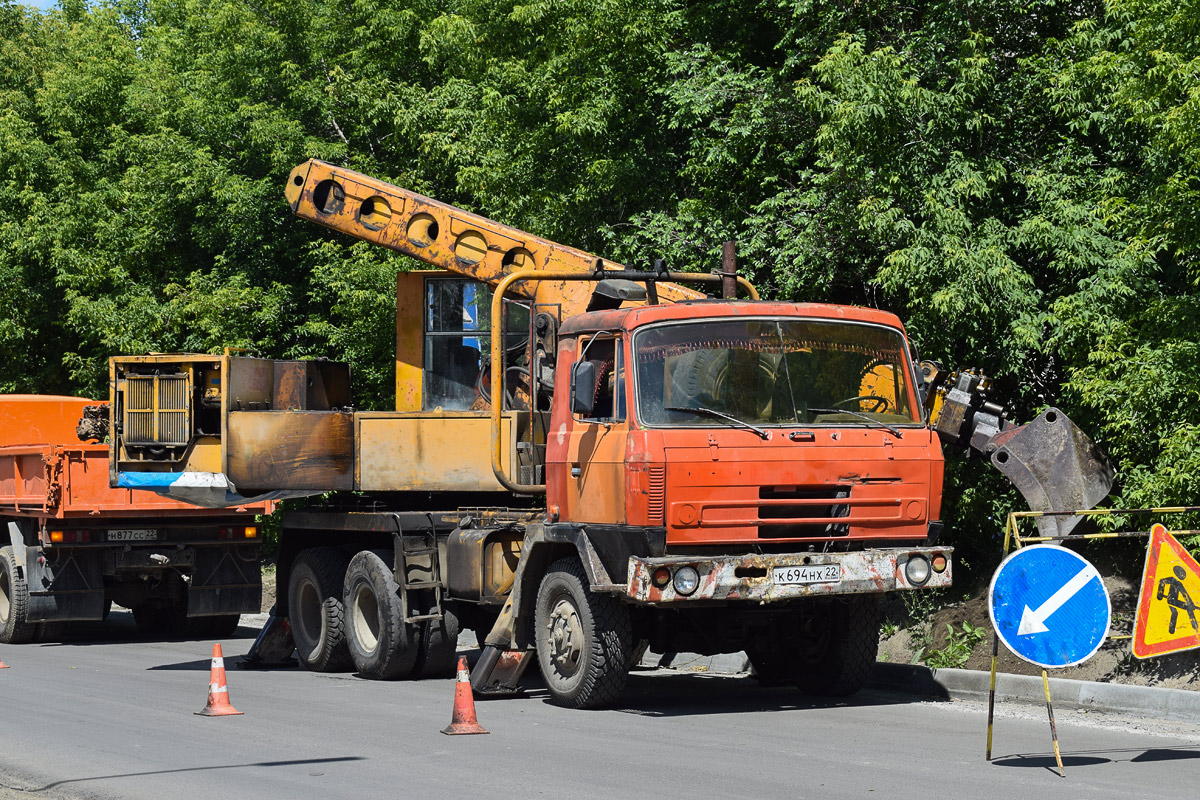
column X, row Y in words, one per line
column 1035, row 621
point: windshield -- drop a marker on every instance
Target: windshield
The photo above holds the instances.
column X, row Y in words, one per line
column 772, row 372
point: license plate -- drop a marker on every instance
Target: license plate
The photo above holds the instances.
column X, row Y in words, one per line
column 812, row 573
column 133, row 535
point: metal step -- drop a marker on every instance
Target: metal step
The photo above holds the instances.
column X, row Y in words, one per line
column 422, row 584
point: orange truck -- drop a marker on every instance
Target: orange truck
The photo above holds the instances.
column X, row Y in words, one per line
column 76, row 545
column 585, row 458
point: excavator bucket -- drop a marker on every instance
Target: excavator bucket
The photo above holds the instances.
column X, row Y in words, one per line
column 1055, row 466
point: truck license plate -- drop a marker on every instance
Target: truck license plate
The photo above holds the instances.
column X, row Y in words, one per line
column 133, row 535
column 815, row 573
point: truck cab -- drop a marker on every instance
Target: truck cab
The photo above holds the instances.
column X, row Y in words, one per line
column 775, row 425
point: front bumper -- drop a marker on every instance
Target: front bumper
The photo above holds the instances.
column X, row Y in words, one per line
column 750, row 577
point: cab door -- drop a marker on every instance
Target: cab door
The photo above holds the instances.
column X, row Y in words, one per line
column 595, row 468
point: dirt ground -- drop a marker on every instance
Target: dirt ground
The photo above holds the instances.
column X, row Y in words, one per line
column 268, row 594
column 1113, row 663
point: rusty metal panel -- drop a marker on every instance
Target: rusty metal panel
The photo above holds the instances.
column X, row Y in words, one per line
column 249, row 384
column 430, row 451
column 310, row 385
column 268, row 450
column 23, row 484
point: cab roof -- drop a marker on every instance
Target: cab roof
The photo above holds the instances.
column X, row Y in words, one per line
column 627, row 319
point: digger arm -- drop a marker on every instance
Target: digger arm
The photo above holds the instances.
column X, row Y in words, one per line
column 1054, row 465
column 446, row 237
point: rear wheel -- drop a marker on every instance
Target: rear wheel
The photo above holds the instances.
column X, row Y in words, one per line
column 162, row 611
column 438, row 657
column 224, row 625
column 316, row 611
column 381, row 644
column 584, row 639
column 14, row 602
column 160, row 617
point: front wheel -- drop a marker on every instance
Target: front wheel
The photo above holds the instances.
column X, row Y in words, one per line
column 584, row 639
column 838, row 649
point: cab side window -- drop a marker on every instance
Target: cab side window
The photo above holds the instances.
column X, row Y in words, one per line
column 609, row 403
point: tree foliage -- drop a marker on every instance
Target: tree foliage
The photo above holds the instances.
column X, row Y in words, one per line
column 1018, row 180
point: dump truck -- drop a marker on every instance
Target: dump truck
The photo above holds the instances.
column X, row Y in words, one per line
column 585, row 458
column 77, row 545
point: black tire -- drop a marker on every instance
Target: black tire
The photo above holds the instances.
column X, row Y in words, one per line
column 381, row 645
column 837, row 662
column 223, row 626
column 438, row 656
column 161, row 618
column 15, row 627
column 315, row 609
column 584, row 639
column 773, row 666
column 163, row 610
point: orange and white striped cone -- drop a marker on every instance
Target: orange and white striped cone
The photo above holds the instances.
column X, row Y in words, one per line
column 218, row 691
column 463, row 720
column 3, row 665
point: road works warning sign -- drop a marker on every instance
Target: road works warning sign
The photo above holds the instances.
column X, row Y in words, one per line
column 1168, row 611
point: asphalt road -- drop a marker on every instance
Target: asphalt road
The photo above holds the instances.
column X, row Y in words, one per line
column 108, row 716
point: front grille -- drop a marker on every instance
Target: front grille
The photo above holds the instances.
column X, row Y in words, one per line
column 157, row 409
column 788, row 513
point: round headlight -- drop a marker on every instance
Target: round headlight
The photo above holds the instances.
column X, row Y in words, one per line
column 686, row 580
column 917, row 570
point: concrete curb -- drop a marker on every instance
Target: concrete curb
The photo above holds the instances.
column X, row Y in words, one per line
column 1177, row 705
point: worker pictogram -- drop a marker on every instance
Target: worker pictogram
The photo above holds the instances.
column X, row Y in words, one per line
column 1168, row 611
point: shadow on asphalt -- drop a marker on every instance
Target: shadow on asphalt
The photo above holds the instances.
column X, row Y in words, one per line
column 294, row 763
column 1088, row 758
column 662, row 693
column 119, row 628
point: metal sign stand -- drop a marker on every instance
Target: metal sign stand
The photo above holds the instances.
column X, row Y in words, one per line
column 1013, row 540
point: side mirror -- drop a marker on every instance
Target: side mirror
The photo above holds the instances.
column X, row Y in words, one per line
column 583, row 388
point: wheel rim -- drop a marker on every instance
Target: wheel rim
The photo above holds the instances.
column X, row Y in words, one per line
column 366, row 618
column 309, row 617
column 565, row 638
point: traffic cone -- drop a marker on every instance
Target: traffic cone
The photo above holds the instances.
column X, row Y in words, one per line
column 218, row 691
column 3, row 665
column 463, row 720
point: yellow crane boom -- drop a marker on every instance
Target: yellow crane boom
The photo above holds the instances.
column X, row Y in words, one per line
column 446, row 237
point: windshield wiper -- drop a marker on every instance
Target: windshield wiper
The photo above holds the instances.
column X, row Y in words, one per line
column 893, row 430
column 712, row 412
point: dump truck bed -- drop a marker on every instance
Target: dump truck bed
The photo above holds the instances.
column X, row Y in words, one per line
column 45, row 471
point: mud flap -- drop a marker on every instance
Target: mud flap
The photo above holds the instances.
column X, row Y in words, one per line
column 64, row 589
column 1055, row 466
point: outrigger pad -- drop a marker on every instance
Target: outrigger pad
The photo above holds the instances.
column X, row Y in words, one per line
column 273, row 647
column 1055, row 466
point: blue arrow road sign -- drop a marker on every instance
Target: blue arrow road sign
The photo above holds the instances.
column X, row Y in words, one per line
column 1049, row 606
